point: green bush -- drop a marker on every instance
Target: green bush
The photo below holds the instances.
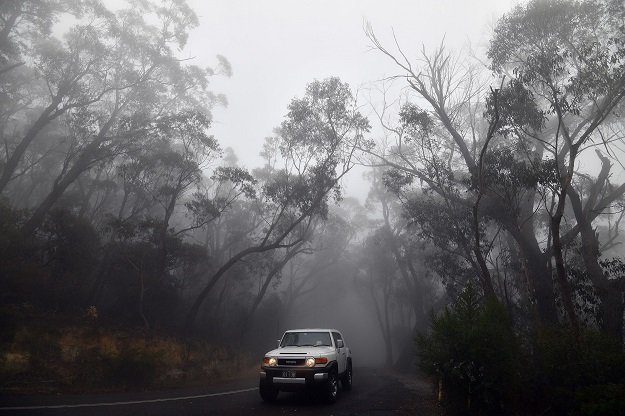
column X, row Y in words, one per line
column 21, row 274
column 578, row 372
column 10, row 321
column 134, row 367
column 472, row 348
column 488, row 369
column 601, row 400
column 41, row 347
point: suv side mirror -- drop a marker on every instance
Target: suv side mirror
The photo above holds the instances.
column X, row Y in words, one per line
column 340, row 344
column 278, row 343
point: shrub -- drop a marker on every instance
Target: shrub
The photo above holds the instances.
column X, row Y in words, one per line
column 14, row 363
column 42, row 348
column 134, row 367
column 20, row 272
column 10, row 321
column 601, row 400
column 488, row 369
column 472, row 348
column 578, row 372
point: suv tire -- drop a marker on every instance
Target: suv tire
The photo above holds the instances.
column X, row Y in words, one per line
column 331, row 389
column 346, row 382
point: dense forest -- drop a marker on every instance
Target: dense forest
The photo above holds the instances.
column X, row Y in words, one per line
column 492, row 232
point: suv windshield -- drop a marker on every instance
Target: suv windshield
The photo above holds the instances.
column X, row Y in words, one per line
column 306, row 339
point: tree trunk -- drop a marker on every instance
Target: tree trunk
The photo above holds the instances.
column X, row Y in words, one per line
column 610, row 295
column 261, row 248
column 563, row 284
column 17, row 155
column 57, row 191
column 101, row 273
column 88, row 194
column 195, row 308
column 163, row 250
column 538, row 274
column 140, row 303
column 486, row 280
column 261, row 294
column 83, row 163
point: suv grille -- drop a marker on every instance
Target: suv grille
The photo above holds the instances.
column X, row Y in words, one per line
column 291, row 361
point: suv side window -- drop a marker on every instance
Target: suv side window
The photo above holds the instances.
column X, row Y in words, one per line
column 336, row 337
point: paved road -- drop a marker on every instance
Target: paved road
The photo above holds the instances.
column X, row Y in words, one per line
column 374, row 393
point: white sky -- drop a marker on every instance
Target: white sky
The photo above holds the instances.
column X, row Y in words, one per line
column 276, row 47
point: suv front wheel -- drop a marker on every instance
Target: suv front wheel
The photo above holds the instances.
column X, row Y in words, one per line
column 332, row 387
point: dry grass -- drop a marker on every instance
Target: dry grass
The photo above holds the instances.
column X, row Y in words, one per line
column 46, row 357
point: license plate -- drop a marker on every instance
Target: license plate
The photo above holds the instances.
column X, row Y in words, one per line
column 289, row 374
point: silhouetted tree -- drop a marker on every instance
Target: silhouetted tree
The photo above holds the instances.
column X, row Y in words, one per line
column 316, row 142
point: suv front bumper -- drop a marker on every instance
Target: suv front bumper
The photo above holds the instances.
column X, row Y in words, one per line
column 293, row 378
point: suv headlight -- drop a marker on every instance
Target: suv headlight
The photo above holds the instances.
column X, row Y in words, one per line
column 270, row 361
column 311, row 362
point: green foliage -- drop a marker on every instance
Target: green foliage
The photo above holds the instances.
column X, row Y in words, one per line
column 316, row 141
column 574, row 50
column 395, row 180
column 601, row 400
column 51, row 268
column 73, row 242
column 9, row 322
column 322, row 126
column 20, row 272
column 516, row 109
column 40, row 347
column 446, row 224
column 317, row 123
column 238, row 177
column 25, row 21
column 614, row 267
column 134, row 367
column 487, row 368
column 416, row 122
column 577, row 373
column 472, row 348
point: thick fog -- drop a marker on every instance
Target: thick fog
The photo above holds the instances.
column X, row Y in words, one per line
column 276, row 47
column 181, row 182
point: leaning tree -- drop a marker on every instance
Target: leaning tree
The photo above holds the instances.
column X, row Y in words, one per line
column 316, row 144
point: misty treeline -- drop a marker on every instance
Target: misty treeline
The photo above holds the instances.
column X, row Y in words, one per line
column 116, row 197
column 508, row 177
column 514, row 176
column 496, row 181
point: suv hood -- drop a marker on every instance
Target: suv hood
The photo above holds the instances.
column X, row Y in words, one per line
column 301, row 351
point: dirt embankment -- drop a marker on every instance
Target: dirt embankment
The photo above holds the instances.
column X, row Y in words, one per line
column 59, row 354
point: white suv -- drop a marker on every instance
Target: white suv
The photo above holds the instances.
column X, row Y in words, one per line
column 307, row 359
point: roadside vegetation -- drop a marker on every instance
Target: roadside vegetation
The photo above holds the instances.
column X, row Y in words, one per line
column 481, row 363
column 44, row 352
